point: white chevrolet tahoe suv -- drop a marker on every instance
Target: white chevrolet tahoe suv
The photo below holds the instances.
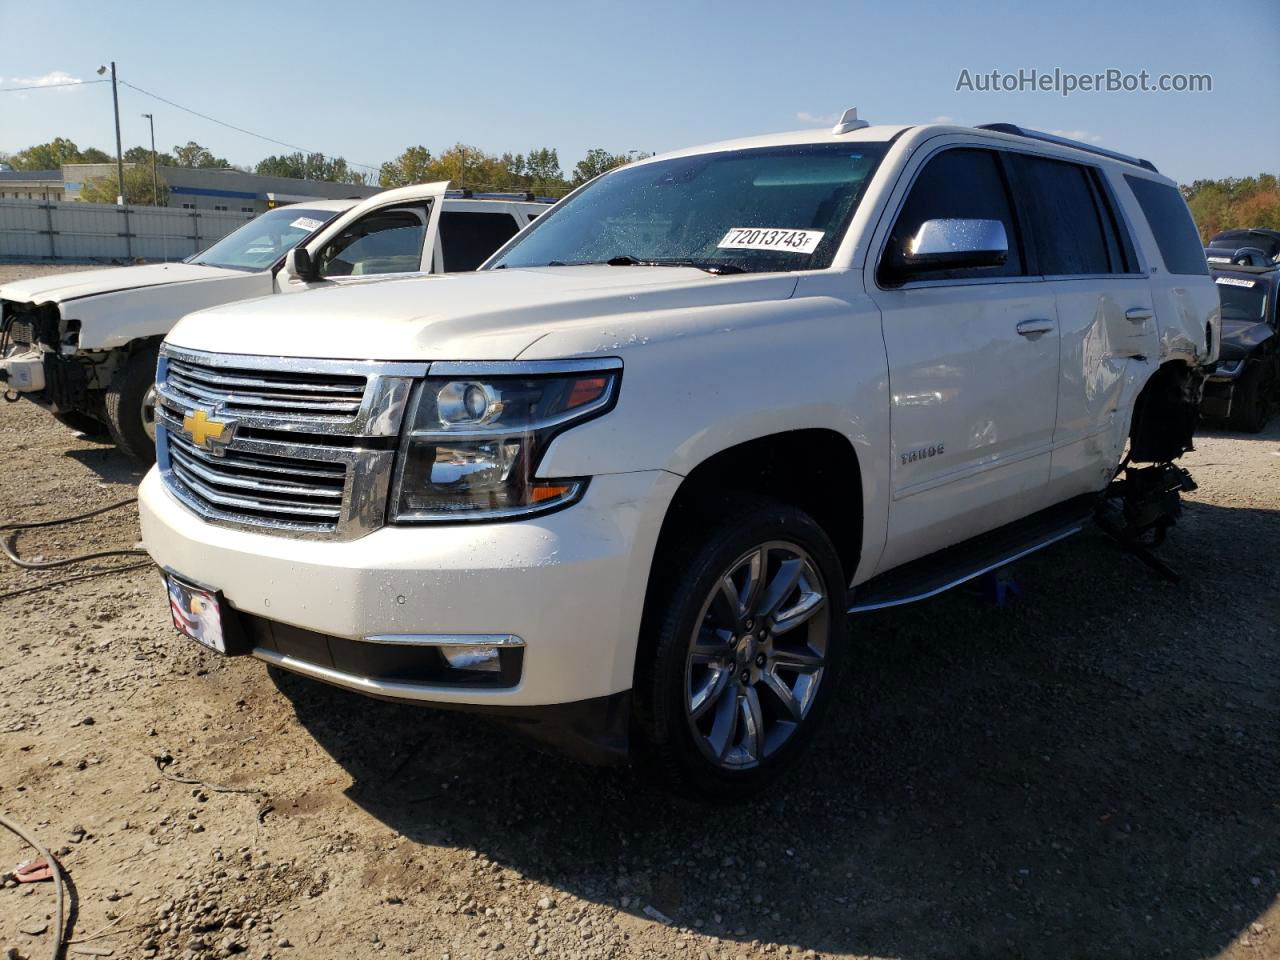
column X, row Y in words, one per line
column 83, row 345
column 626, row 483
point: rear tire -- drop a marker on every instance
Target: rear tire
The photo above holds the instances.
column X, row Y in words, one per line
column 82, row 423
column 1251, row 407
column 130, row 405
column 743, row 638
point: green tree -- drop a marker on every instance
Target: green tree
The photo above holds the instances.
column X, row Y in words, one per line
column 143, row 155
column 194, row 155
column 412, row 166
column 137, row 188
column 1234, row 202
column 542, row 173
column 311, row 166
column 599, row 161
column 52, row 155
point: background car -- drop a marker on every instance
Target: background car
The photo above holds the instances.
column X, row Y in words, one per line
column 83, row 345
column 1243, row 387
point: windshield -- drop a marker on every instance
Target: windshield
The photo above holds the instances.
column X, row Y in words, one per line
column 767, row 209
column 1242, row 303
column 264, row 240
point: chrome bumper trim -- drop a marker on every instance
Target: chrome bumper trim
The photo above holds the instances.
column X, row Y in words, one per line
column 389, row 689
column 447, row 639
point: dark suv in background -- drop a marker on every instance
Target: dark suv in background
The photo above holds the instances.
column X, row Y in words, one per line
column 1257, row 244
column 1244, row 385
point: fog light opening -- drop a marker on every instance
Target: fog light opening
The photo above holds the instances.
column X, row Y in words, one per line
column 478, row 658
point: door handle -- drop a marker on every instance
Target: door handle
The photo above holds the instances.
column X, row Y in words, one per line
column 1137, row 314
column 1029, row 328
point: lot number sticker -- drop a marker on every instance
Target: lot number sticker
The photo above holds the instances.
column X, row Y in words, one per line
column 1233, row 282
column 306, row 223
column 771, row 238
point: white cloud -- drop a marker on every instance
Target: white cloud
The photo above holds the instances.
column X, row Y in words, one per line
column 1083, row 135
column 50, row 79
column 818, row 118
column 943, row 118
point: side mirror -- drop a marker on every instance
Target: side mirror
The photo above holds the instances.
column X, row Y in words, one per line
column 956, row 245
column 299, row 266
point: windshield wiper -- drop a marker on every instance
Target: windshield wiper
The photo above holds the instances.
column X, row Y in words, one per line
column 709, row 266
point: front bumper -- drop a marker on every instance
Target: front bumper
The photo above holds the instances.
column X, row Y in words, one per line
column 570, row 584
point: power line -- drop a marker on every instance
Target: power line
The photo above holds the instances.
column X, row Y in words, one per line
column 50, row 86
column 232, row 126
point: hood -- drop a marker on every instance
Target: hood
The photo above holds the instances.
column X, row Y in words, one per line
column 1240, row 338
column 489, row 315
column 89, row 283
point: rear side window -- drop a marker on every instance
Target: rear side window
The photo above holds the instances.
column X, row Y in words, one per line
column 961, row 184
column 469, row 239
column 1067, row 227
column 1171, row 222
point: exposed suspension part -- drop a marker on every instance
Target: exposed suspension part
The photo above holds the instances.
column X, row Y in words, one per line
column 1140, row 506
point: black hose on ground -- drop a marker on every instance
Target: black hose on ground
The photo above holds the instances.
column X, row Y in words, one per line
column 55, row 869
column 10, row 548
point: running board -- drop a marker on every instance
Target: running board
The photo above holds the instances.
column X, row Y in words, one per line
column 939, row 572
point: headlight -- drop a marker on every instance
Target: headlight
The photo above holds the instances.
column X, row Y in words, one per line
column 1227, row 368
column 477, row 432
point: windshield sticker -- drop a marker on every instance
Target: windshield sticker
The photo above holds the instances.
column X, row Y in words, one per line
column 771, row 238
column 1233, row 282
column 1219, row 259
column 307, row 223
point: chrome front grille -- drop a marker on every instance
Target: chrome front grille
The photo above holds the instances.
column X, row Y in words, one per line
column 241, row 391
column 257, row 487
column 312, row 442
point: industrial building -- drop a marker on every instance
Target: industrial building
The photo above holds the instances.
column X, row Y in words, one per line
column 190, row 188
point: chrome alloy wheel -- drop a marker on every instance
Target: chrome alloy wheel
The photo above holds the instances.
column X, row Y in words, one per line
column 148, row 412
column 757, row 655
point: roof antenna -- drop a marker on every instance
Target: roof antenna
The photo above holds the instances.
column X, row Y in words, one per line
column 849, row 122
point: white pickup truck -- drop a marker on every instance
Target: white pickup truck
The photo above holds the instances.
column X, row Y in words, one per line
column 83, row 345
column 633, row 477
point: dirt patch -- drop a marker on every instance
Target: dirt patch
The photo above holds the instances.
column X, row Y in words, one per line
column 1090, row 771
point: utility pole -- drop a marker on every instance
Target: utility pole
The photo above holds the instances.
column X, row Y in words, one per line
column 115, row 103
column 155, row 180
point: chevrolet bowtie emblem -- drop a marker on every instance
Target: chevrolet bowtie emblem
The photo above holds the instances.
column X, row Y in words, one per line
column 211, row 435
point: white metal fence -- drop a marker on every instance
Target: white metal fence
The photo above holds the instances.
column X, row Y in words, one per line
column 39, row 230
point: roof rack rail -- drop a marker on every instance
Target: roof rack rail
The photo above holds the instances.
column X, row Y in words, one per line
column 1018, row 131
column 519, row 196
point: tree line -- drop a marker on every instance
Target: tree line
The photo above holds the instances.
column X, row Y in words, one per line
column 1234, row 202
column 468, row 168
column 1215, row 204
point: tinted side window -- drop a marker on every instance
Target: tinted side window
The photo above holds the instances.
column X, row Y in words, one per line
column 956, row 184
column 468, row 239
column 1065, row 223
column 383, row 242
column 1171, row 222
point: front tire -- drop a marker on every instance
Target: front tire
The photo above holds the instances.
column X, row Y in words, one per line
column 130, row 405
column 1252, row 406
column 743, row 638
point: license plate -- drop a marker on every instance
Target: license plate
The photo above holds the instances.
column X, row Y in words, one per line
column 196, row 613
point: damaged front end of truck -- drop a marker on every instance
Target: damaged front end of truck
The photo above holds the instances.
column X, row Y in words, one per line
column 41, row 360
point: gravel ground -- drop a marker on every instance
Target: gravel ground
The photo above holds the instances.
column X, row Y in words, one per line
column 1091, row 771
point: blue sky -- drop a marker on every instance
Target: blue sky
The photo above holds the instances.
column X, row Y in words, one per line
column 645, row 76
